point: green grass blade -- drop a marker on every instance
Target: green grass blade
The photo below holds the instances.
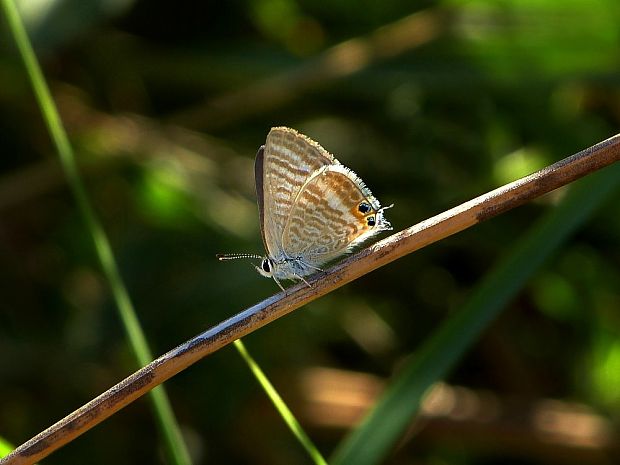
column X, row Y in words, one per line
column 391, row 415
column 5, row 447
column 280, row 406
column 164, row 414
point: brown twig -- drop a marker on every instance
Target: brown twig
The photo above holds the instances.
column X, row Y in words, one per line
column 409, row 240
column 337, row 62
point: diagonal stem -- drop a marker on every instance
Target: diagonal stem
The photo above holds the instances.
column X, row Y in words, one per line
column 386, row 251
column 280, row 405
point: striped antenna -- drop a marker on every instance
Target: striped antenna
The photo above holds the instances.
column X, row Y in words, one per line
column 234, row 256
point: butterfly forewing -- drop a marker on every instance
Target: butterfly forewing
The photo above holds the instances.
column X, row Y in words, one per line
column 288, row 160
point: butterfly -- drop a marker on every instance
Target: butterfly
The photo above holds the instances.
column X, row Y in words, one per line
column 312, row 208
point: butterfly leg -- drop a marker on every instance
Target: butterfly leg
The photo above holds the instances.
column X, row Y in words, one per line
column 307, row 265
column 278, row 283
column 302, row 279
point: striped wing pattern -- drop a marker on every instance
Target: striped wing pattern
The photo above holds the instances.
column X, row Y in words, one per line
column 312, row 208
column 290, row 159
column 325, row 221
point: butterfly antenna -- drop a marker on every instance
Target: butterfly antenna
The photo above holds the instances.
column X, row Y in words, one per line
column 234, row 256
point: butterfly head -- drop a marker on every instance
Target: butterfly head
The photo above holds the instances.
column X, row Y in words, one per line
column 266, row 267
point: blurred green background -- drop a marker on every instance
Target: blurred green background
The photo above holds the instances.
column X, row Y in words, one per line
column 430, row 102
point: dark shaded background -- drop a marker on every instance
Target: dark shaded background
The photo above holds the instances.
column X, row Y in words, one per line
column 166, row 104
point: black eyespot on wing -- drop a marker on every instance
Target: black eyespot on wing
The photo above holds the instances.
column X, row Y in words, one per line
column 266, row 266
column 363, row 207
column 371, row 221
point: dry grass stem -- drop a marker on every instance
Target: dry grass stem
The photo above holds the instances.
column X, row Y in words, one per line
column 337, row 62
column 383, row 252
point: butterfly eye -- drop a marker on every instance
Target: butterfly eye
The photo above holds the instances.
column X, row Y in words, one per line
column 266, row 266
column 370, row 220
column 363, row 207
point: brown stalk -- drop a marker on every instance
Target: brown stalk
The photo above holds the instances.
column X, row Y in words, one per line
column 337, row 62
column 383, row 252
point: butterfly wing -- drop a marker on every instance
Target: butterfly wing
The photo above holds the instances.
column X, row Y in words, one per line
column 333, row 213
column 283, row 166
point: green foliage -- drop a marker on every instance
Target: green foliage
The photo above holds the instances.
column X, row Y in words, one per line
column 165, row 107
column 5, row 447
column 175, row 447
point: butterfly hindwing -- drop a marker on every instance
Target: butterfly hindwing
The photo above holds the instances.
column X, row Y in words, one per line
column 333, row 212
